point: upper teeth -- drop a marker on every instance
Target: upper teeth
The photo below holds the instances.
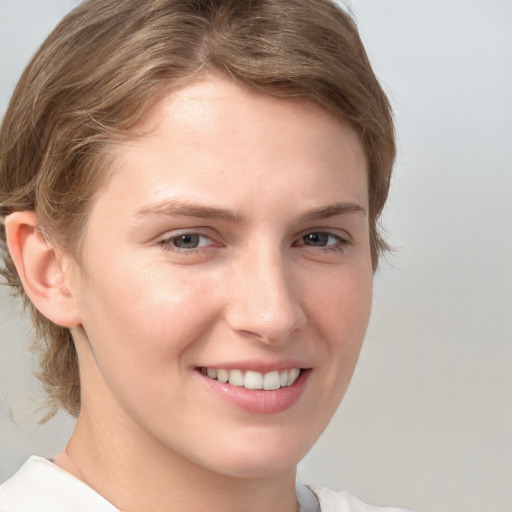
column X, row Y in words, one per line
column 254, row 380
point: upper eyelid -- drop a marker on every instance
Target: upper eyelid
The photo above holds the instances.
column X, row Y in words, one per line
column 168, row 235
column 339, row 241
column 336, row 232
column 181, row 232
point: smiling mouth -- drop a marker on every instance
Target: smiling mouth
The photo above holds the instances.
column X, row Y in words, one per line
column 254, row 380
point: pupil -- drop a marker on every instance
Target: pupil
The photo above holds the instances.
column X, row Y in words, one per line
column 316, row 239
column 188, row 241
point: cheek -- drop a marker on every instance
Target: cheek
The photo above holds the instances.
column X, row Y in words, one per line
column 339, row 312
column 146, row 319
column 342, row 304
column 141, row 329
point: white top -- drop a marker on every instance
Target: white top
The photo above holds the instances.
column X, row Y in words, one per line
column 40, row 486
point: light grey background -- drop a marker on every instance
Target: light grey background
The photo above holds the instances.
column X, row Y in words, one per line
column 427, row 421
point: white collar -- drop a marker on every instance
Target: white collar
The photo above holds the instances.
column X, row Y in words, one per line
column 41, row 485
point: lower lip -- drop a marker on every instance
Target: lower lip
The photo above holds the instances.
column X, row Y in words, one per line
column 259, row 401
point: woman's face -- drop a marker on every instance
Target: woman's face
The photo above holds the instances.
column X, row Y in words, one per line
column 230, row 243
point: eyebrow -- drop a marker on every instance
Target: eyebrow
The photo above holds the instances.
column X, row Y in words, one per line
column 333, row 210
column 176, row 207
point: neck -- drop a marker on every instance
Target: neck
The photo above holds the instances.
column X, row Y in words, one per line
column 134, row 474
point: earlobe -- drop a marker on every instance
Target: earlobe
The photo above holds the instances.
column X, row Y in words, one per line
column 42, row 270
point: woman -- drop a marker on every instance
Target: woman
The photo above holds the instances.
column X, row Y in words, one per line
column 190, row 194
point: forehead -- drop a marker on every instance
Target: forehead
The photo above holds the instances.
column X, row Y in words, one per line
column 215, row 129
column 213, row 97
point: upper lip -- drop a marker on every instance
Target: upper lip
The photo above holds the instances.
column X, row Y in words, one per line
column 259, row 366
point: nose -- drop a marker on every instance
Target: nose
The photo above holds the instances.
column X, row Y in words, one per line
column 264, row 301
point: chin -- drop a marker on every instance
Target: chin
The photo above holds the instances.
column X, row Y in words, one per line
column 260, row 468
column 261, row 456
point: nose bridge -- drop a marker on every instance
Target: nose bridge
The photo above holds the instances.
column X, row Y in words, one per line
column 266, row 302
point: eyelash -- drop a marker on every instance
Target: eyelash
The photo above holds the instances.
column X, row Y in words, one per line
column 168, row 244
column 340, row 243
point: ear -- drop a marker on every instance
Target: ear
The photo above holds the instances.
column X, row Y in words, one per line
column 46, row 274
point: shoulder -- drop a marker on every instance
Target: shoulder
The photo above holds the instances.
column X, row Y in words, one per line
column 332, row 501
column 43, row 487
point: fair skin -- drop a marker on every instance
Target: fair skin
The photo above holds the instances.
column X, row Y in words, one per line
column 232, row 235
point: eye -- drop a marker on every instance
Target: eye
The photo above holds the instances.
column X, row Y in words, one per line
column 186, row 241
column 321, row 239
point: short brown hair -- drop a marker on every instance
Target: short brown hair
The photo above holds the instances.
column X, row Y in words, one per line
column 107, row 60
